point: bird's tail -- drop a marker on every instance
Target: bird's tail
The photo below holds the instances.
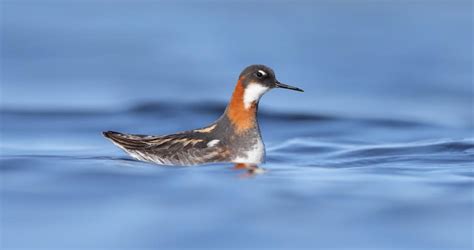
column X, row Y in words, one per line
column 124, row 141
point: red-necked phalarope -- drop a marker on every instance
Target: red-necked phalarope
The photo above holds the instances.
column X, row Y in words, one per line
column 234, row 137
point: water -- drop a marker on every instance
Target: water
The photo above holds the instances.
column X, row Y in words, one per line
column 377, row 153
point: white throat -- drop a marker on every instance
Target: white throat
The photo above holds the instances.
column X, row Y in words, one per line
column 252, row 93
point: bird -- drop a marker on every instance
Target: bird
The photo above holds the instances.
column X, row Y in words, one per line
column 233, row 138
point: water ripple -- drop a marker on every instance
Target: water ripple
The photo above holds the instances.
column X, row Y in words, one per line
column 213, row 108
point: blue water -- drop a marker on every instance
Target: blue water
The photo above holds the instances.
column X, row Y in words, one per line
column 377, row 153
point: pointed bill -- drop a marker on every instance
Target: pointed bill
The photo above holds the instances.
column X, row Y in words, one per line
column 285, row 86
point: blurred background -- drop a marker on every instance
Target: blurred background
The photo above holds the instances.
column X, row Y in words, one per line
column 376, row 153
column 371, row 58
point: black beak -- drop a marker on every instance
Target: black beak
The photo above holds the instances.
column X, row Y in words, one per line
column 284, row 86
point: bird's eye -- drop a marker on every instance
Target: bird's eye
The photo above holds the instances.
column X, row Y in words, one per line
column 260, row 74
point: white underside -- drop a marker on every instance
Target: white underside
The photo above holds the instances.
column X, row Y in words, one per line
column 143, row 157
column 255, row 155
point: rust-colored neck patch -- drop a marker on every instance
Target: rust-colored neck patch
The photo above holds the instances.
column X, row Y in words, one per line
column 242, row 118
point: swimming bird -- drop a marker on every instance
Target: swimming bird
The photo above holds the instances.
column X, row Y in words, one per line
column 234, row 137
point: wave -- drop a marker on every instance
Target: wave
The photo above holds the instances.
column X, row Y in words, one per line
column 414, row 148
column 345, row 155
column 205, row 108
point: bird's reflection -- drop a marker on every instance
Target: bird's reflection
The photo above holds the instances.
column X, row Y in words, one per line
column 251, row 170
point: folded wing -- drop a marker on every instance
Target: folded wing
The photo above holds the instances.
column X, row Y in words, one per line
column 187, row 148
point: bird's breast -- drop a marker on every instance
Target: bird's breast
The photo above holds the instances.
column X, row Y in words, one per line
column 251, row 153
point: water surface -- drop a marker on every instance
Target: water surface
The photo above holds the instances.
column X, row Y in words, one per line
column 377, row 153
column 331, row 181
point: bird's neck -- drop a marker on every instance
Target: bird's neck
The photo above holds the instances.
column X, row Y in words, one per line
column 242, row 115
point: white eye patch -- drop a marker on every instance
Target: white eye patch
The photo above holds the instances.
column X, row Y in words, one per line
column 262, row 72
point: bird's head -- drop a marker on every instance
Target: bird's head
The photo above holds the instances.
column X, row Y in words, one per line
column 257, row 80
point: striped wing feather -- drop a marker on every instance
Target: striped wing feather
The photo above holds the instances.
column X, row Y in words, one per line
column 185, row 148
